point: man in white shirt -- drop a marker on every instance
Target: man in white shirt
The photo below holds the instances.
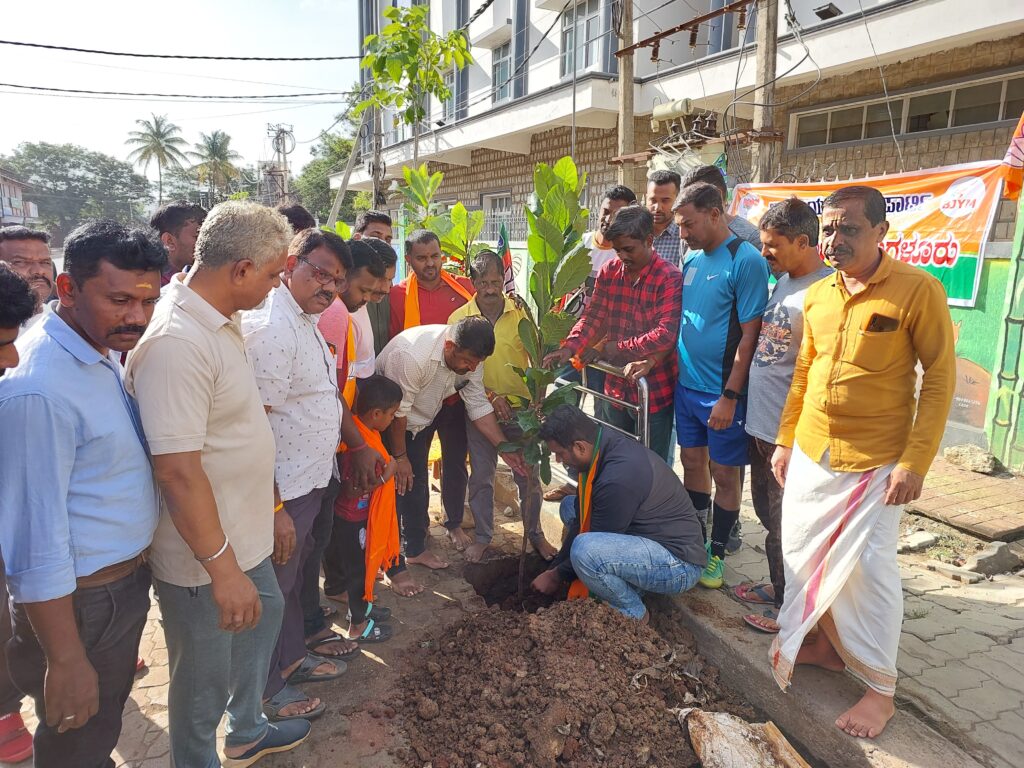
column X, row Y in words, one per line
column 298, row 383
column 27, row 252
column 430, row 363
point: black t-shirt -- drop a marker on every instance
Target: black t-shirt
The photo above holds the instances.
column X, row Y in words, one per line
column 636, row 493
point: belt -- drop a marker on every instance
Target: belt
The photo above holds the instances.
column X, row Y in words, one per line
column 111, row 573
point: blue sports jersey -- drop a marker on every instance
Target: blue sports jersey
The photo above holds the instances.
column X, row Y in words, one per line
column 721, row 289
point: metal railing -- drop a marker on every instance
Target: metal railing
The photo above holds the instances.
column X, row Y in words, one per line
column 641, row 408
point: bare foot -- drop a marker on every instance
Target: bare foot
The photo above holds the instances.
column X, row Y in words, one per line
column 820, row 653
column 476, row 551
column 404, row 585
column 559, row 493
column 868, row 717
column 543, row 548
column 460, row 539
column 428, row 559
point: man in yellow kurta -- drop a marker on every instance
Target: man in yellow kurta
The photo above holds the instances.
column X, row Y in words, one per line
column 507, row 393
column 854, row 446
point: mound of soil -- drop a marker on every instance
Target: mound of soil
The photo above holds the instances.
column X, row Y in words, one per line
column 577, row 684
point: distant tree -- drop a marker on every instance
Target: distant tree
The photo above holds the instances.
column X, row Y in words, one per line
column 215, row 162
column 70, row 184
column 157, row 140
column 330, row 154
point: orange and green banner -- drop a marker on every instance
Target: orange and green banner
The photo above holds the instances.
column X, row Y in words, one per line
column 939, row 218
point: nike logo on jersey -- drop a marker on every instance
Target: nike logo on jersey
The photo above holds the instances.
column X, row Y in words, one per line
column 711, row 277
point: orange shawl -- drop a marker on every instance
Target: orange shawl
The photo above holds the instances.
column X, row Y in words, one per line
column 578, row 590
column 382, row 525
column 348, row 391
column 412, row 297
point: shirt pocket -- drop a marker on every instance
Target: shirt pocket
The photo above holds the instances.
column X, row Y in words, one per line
column 872, row 350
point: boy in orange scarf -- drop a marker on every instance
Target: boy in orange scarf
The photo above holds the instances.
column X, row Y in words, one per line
column 365, row 534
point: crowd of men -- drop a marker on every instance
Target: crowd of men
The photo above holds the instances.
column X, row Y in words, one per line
column 231, row 402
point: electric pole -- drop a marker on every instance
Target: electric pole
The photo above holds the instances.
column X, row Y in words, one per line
column 627, row 172
column 764, row 123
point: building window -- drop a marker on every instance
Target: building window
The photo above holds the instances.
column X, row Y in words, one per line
column 501, row 72
column 959, row 106
column 448, row 106
column 583, row 20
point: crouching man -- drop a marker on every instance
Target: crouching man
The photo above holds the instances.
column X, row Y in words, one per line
column 635, row 527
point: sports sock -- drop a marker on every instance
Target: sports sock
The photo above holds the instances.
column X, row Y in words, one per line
column 724, row 520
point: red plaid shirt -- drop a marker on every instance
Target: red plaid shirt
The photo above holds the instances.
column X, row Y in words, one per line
column 640, row 317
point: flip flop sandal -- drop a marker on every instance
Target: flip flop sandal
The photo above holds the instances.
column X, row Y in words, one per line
column 304, row 673
column 375, row 612
column 334, row 637
column 758, row 623
column 755, row 594
column 374, row 633
column 556, row 494
column 279, row 738
column 288, row 695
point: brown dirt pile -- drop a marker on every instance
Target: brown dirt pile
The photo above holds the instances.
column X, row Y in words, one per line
column 577, row 684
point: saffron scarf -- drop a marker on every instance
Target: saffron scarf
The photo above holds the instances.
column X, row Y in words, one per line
column 578, row 590
column 348, row 391
column 412, row 297
column 382, row 524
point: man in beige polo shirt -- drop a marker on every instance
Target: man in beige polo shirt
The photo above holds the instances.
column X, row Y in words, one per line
column 213, row 453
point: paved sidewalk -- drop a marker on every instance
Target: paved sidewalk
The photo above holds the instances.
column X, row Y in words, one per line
column 961, row 658
column 988, row 506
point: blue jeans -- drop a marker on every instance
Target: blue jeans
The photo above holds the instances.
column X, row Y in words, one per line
column 614, row 566
column 213, row 671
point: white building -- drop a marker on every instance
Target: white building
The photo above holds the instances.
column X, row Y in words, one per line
column 541, row 67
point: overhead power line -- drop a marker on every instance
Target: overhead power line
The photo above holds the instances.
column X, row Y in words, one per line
column 177, row 56
column 177, row 95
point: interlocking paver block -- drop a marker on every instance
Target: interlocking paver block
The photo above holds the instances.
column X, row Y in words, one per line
column 952, row 679
column 962, row 643
column 1004, row 749
column 988, row 700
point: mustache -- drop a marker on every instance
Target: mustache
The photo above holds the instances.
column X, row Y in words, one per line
column 136, row 329
column 326, row 296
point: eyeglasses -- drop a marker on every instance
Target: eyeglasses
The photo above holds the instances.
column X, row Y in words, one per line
column 324, row 277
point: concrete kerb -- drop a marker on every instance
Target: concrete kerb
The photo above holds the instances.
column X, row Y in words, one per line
column 807, row 711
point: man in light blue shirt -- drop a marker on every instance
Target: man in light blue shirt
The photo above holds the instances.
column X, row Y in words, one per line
column 74, row 527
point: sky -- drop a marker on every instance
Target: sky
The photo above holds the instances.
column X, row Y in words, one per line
column 189, row 27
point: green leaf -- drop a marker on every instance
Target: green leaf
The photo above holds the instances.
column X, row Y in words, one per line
column 559, row 396
column 572, row 272
column 542, row 251
column 545, row 467
column 542, row 179
column 507, row 447
column 528, row 420
column 565, row 170
column 555, row 326
column 553, row 237
column 528, row 335
column 532, row 453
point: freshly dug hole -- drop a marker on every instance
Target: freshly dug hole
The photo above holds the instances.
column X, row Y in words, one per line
column 577, row 684
column 497, row 582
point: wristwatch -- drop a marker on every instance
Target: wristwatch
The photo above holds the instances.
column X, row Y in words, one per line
column 730, row 394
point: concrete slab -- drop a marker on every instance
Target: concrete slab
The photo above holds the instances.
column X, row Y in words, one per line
column 807, row 711
column 991, row 507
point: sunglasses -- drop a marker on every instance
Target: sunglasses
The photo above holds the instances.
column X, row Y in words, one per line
column 324, row 277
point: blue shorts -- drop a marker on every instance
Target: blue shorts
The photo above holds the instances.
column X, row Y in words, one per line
column 727, row 447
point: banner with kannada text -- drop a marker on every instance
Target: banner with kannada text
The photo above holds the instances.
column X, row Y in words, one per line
column 939, row 218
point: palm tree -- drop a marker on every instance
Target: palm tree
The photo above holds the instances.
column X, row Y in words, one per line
column 215, row 157
column 157, row 140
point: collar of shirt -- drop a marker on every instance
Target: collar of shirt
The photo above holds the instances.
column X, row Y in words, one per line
column 474, row 308
column 54, row 325
column 621, row 273
column 195, row 305
column 880, row 274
